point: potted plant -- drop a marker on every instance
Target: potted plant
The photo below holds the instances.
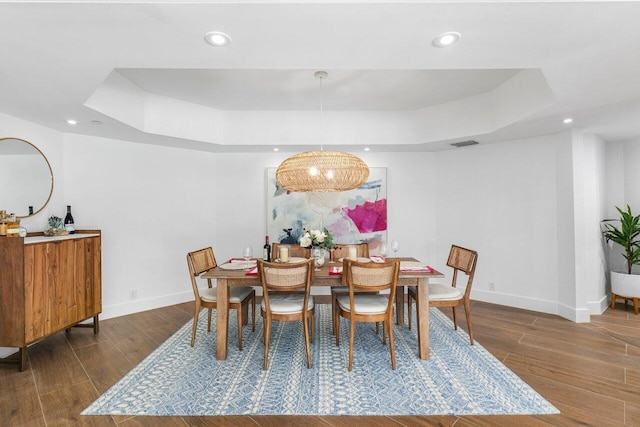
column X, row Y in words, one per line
column 627, row 235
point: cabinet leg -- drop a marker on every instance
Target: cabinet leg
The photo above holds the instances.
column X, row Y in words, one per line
column 96, row 325
column 22, row 359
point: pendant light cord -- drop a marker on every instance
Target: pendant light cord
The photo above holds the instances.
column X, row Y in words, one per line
column 321, row 116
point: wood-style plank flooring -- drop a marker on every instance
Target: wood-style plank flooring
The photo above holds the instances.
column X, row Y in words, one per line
column 591, row 372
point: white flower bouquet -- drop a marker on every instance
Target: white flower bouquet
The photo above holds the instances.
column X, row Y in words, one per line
column 316, row 238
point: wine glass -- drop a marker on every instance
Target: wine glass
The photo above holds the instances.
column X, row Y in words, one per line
column 395, row 245
column 384, row 251
column 247, row 253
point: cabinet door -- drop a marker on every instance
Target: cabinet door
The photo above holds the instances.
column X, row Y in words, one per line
column 40, row 270
column 88, row 278
column 63, row 285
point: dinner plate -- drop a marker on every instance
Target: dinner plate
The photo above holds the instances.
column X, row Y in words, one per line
column 241, row 265
column 359, row 259
column 413, row 265
column 293, row 260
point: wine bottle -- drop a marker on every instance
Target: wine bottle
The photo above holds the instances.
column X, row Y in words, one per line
column 68, row 222
column 266, row 250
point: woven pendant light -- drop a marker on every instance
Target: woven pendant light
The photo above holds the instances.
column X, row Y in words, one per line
column 322, row 171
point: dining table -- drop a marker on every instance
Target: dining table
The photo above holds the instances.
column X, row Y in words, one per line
column 324, row 277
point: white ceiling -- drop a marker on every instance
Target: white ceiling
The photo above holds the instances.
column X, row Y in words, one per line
column 144, row 71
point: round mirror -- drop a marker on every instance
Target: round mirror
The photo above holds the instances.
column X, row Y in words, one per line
column 26, row 179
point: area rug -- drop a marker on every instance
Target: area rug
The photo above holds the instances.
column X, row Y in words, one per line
column 458, row 379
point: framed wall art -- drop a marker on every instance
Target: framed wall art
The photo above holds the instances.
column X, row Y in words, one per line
column 354, row 216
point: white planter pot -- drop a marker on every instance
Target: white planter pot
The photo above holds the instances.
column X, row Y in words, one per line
column 625, row 285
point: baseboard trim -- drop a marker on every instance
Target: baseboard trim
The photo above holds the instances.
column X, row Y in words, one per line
column 578, row 315
column 138, row 305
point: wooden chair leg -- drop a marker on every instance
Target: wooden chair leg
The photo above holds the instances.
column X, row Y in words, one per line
column 209, row 321
column 240, row 325
column 267, row 335
column 351, row 343
column 391, row 345
column 195, row 324
column 245, row 314
column 613, row 300
column 467, row 312
column 455, row 323
column 635, row 305
column 385, row 327
column 333, row 314
column 305, row 327
column 337, row 325
column 253, row 314
column 409, row 305
column 312, row 326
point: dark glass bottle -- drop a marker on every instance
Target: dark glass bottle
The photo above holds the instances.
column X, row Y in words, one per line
column 266, row 250
column 68, row 222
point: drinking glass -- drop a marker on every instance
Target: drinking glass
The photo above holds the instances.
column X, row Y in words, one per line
column 395, row 245
column 247, row 253
column 318, row 258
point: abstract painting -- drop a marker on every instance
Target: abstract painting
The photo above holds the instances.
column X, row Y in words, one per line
column 354, row 216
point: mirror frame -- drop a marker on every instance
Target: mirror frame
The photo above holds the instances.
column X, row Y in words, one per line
column 50, row 173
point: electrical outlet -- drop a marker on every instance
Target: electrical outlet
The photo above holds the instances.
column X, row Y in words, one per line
column 133, row 294
column 492, row 286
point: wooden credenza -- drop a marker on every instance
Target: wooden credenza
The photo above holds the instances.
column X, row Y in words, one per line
column 47, row 285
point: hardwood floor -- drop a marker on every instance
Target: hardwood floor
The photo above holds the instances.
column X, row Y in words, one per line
column 591, row 372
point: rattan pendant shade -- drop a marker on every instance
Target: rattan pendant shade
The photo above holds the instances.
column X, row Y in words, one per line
column 322, row 171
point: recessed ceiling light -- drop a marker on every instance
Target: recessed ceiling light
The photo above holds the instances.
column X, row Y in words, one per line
column 96, row 122
column 217, row 38
column 72, row 122
column 276, row 149
column 366, row 148
column 567, row 120
column 446, row 39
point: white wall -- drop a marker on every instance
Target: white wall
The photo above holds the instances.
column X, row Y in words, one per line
column 50, row 143
column 154, row 204
column 501, row 199
column 622, row 178
column 515, row 202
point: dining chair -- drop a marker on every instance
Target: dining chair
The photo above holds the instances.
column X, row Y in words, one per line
column 442, row 295
column 341, row 250
column 239, row 297
column 368, row 307
column 295, row 251
column 282, row 300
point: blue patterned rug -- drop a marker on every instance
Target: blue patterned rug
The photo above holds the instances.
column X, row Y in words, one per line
column 459, row 379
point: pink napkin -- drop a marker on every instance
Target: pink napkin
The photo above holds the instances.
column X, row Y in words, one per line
column 335, row 270
column 377, row 258
column 238, row 260
column 252, row 272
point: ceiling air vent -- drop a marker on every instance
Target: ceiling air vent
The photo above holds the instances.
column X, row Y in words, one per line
column 465, row 143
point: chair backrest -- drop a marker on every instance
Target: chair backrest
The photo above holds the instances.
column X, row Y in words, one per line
column 372, row 276
column 294, row 251
column 341, row 250
column 198, row 262
column 462, row 259
column 285, row 277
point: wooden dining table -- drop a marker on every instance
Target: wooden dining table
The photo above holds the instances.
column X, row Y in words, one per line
column 226, row 278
